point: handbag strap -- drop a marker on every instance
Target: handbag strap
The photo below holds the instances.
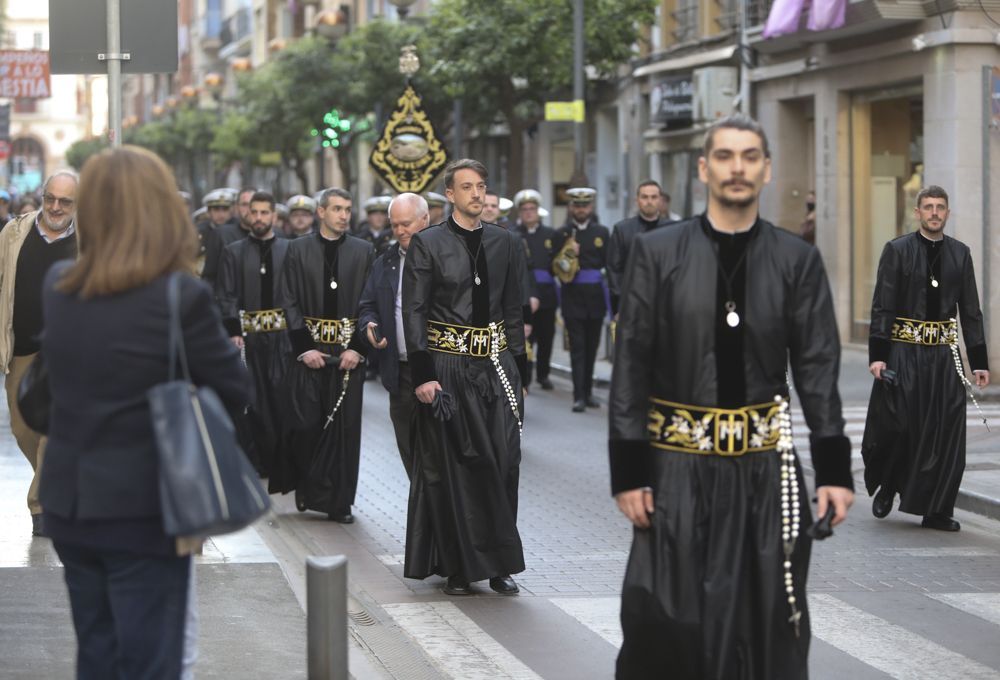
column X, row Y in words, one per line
column 175, row 346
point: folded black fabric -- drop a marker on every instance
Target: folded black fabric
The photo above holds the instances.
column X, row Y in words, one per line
column 443, row 405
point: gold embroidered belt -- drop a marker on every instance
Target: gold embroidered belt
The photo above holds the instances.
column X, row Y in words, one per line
column 469, row 341
column 263, row 321
column 917, row 332
column 713, row 431
column 331, row 331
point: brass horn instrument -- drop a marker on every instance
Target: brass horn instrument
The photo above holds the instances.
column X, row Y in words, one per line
column 566, row 263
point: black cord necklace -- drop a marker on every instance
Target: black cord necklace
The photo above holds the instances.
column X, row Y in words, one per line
column 264, row 254
column 930, row 265
column 732, row 316
column 331, row 261
column 475, row 259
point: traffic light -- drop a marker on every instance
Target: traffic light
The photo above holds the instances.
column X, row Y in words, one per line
column 332, row 129
column 5, row 122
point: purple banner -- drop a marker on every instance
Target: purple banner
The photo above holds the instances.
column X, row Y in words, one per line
column 827, row 14
column 783, row 18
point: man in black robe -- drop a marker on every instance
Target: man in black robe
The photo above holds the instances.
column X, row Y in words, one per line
column 541, row 242
column 247, row 288
column 713, row 310
column 322, row 281
column 647, row 199
column 914, row 441
column 585, row 299
column 462, row 313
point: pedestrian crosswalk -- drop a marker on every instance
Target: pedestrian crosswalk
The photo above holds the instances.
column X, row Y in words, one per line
column 462, row 650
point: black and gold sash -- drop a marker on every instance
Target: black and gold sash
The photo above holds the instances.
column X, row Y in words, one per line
column 263, row 321
column 331, row 331
column 917, row 332
column 468, row 341
column 713, row 431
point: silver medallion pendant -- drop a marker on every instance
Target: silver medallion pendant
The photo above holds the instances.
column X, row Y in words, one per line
column 263, row 270
column 934, row 282
column 478, row 280
column 732, row 318
column 333, row 285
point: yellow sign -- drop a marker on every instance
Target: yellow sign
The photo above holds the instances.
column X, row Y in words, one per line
column 269, row 158
column 566, row 111
column 408, row 154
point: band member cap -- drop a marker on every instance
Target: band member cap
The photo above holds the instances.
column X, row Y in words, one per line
column 581, row 195
column 378, row 204
column 301, row 202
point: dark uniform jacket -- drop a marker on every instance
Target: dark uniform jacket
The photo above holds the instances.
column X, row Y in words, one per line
column 378, row 305
column 379, row 241
column 665, row 346
column 586, row 300
column 213, row 240
column 542, row 247
column 897, row 294
column 621, row 240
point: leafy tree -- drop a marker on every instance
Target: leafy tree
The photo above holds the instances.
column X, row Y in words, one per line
column 505, row 58
column 79, row 151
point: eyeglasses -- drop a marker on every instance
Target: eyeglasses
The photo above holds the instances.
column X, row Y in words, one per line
column 65, row 203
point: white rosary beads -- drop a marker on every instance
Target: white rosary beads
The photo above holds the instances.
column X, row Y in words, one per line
column 504, row 380
column 790, row 506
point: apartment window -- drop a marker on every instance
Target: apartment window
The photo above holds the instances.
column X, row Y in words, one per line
column 25, row 105
column 10, row 39
column 38, row 41
column 685, row 17
column 757, row 11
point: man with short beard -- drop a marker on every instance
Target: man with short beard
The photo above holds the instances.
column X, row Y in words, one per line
column 320, row 289
column 248, row 283
column 914, row 442
column 647, row 199
column 29, row 245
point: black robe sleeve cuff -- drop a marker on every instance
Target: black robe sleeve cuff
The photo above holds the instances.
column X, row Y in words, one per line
column 831, row 459
column 302, row 340
column 358, row 344
column 615, row 299
column 631, row 464
column 422, row 367
column 526, row 312
column 522, row 368
column 233, row 328
column 977, row 358
column 878, row 349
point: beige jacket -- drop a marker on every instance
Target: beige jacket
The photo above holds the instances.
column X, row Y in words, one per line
column 11, row 239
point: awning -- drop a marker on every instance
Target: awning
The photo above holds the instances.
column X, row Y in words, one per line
column 686, row 62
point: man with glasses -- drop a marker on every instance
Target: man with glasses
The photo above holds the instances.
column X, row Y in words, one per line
column 28, row 247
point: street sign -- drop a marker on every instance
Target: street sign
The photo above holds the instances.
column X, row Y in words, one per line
column 4, row 149
column 24, row 74
column 78, row 33
column 573, row 111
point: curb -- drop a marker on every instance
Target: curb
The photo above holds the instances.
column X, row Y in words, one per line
column 978, row 503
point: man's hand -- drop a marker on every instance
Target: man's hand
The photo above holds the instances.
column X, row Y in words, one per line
column 576, row 247
column 314, row 359
column 534, row 303
column 841, row 498
column 982, row 378
column 637, row 505
column 381, row 344
column 876, row 369
column 425, row 393
column 237, row 340
column 349, row 360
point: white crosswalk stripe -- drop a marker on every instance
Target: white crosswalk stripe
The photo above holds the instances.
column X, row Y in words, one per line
column 984, row 605
column 599, row 614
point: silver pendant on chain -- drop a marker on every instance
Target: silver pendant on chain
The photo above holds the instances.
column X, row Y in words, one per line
column 333, row 284
column 263, row 270
column 478, row 280
column 934, row 282
column 732, row 318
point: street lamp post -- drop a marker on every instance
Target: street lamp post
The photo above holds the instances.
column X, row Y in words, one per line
column 579, row 141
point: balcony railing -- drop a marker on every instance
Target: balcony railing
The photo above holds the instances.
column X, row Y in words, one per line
column 686, row 18
column 235, row 29
column 757, row 11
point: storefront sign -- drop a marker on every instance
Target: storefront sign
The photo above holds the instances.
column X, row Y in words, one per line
column 573, row 111
column 672, row 100
column 24, row 74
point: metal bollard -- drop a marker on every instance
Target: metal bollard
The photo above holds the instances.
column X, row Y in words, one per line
column 326, row 617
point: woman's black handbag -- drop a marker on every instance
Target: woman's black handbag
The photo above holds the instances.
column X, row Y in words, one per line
column 34, row 397
column 207, row 485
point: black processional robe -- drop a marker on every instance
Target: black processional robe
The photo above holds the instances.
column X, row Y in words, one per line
column 704, row 596
column 249, row 274
column 462, row 518
column 914, row 440
column 324, row 453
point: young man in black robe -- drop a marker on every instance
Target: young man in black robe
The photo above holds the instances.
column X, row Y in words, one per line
column 321, row 285
column 585, row 299
column 713, row 310
column 914, row 442
column 462, row 314
column 247, row 288
column 647, row 200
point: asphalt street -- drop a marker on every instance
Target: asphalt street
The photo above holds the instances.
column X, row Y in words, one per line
column 888, row 599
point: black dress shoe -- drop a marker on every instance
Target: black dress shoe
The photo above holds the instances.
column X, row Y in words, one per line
column 579, row 406
column 341, row 517
column 36, row 526
column 504, row 585
column 457, row 586
column 546, row 384
column 940, row 522
column 591, row 402
column 882, row 504
column 300, row 501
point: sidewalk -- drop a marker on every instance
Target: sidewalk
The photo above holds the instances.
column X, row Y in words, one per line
column 980, row 491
